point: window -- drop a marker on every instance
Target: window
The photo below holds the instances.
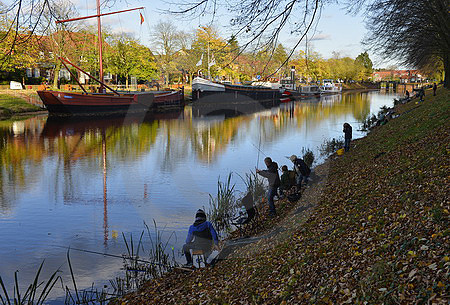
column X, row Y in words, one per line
column 64, row 74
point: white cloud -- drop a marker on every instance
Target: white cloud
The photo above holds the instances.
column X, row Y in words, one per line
column 320, row 37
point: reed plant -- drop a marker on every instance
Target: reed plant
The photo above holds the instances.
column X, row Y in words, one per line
column 372, row 120
column 254, row 184
column 308, row 156
column 158, row 253
column 137, row 272
column 85, row 296
column 222, row 207
column 36, row 293
column 330, row 146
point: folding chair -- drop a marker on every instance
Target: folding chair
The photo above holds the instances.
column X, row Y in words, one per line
column 251, row 212
column 199, row 256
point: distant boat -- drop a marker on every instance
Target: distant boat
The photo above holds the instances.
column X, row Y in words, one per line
column 202, row 87
column 87, row 103
column 329, row 87
column 303, row 92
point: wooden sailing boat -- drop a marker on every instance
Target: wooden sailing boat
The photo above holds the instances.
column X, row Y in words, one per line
column 102, row 103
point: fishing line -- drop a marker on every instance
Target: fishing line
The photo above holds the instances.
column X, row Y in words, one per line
column 110, row 255
column 259, row 150
column 259, row 144
column 122, row 257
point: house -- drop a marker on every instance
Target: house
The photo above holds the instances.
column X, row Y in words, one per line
column 403, row 76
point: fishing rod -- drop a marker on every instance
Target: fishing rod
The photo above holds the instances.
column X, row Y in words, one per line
column 122, row 257
column 259, row 151
column 259, row 144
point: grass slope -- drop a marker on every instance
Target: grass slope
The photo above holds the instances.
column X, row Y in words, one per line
column 378, row 234
column 10, row 105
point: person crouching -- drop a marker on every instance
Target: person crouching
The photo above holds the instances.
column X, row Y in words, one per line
column 201, row 236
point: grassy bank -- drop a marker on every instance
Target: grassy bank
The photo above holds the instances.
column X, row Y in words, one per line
column 378, row 231
column 11, row 105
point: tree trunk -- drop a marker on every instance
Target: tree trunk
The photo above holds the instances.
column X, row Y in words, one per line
column 126, row 82
column 56, row 74
column 447, row 71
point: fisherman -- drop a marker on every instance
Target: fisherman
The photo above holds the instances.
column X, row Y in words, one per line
column 201, row 236
column 302, row 169
column 421, row 93
column 274, row 182
column 347, row 136
column 287, row 179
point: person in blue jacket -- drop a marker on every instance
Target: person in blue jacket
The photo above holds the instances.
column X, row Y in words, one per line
column 201, row 236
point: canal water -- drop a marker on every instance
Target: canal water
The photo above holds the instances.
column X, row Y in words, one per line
column 82, row 183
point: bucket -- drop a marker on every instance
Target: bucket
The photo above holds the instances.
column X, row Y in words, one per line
column 340, row 152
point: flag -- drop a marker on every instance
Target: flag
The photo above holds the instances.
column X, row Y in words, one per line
column 212, row 62
column 200, row 61
column 142, row 18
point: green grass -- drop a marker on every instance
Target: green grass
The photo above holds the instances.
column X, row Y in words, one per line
column 10, row 105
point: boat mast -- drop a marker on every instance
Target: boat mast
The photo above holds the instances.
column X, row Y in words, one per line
column 99, row 28
column 100, row 46
column 209, row 70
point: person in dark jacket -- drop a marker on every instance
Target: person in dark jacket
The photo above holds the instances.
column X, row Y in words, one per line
column 347, row 136
column 434, row 89
column 302, row 169
column 201, row 235
column 274, row 182
column 287, row 179
column 421, row 94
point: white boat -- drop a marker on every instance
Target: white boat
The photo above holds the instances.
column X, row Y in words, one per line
column 329, row 87
column 303, row 92
column 310, row 90
column 202, row 85
column 267, row 85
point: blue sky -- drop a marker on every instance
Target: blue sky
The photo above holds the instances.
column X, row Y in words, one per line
column 336, row 30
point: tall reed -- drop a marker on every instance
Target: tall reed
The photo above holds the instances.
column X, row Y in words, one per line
column 254, row 184
column 308, row 156
column 330, row 146
column 222, row 207
column 36, row 293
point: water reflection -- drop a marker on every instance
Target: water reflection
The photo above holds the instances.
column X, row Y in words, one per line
column 74, row 182
column 26, row 144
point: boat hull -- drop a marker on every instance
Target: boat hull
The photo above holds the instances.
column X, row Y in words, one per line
column 232, row 93
column 68, row 103
column 300, row 95
column 202, row 88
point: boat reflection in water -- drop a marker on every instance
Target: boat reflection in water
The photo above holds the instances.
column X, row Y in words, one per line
column 230, row 105
column 78, row 127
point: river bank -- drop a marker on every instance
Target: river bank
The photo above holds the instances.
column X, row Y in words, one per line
column 372, row 229
column 14, row 103
column 11, row 105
